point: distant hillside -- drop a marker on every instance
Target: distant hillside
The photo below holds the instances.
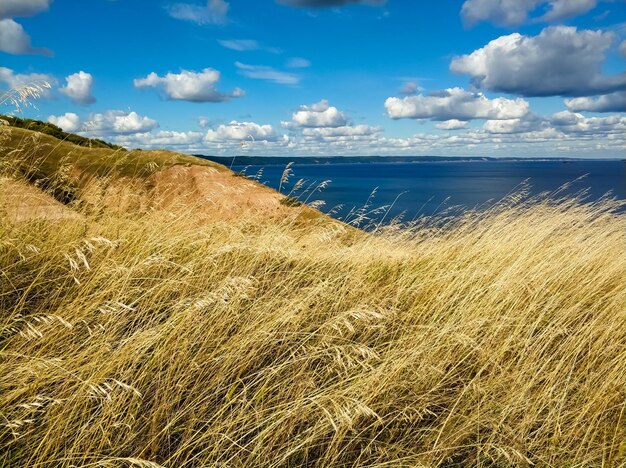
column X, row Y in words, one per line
column 281, row 160
column 271, row 160
column 57, row 132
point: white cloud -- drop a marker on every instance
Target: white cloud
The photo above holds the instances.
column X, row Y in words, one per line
column 240, row 131
column 455, row 124
column 328, row 3
column 15, row 80
column 14, row 40
column 21, row 8
column 561, row 125
column 161, row 139
column 528, row 136
column 455, row 104
column 261, row 72
column 575, row 123
column 118, row 122
column 622, row 49
column 560, row 61
column 204, row 121
column 410, row 88
column 240, row 44
column 320, row 114
column 78, row 88
column 69, row 122
column 531, row 123
column 564, row 133
column 516, row 12
column 245, row 45
column 503, row 12
column 614, row 102
column 189, row 86
column 339, row 132
column 561, row 9
column 502, row 126
column 561, row 134
column 298, row 62
column 319, row 128
column 215, row 12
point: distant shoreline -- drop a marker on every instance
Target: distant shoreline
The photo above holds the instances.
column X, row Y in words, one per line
column 229, row 161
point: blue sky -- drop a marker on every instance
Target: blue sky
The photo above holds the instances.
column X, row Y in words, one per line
column 308, row 77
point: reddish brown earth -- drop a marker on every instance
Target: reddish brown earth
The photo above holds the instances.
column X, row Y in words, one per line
column 216, row 193
column 130, row 181
column 21, row 202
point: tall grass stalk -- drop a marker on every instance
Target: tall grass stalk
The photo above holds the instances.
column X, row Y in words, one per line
column 23, row 96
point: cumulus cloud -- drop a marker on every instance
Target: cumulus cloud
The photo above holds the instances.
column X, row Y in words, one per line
column 455, row 124
column 118, row 122
column 560, row 61
column 528, row 124
column 225, row 141
column 564, row 133
column 262, row 72
column 614, row 102
column 21, row 8
column 320, row 128
column 109, row 124
column 14, row 40
column 576, row 123
column 215, row 12
column 516, row 12
column 328, row 3
column 622, row 49
column 78, row 88
column 161, row 139
column 320, row 114
column 189, row 86
column 340, row 132
column 15, row 80
column 240, row 131
column 455, row 104
column 69, row 122
column 561, row 125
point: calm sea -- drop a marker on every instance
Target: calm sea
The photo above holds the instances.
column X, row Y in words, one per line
column 426, row 188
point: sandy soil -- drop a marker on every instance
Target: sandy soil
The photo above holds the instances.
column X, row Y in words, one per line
column 23, row 202
column 212, row 192
column 208, row 193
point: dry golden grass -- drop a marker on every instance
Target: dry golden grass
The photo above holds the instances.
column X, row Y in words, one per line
column 149, row 339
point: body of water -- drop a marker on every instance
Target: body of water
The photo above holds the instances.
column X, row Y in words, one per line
column 426, row 188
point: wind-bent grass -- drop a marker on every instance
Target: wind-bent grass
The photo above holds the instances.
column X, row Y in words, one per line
column 148, row 339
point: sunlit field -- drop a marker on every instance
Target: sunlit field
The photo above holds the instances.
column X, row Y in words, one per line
column 158, row 336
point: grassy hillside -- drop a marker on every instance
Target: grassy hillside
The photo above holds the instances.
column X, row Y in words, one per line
column 56, row 132
column 158, row 338
column 65, row 169
column 44, row 155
